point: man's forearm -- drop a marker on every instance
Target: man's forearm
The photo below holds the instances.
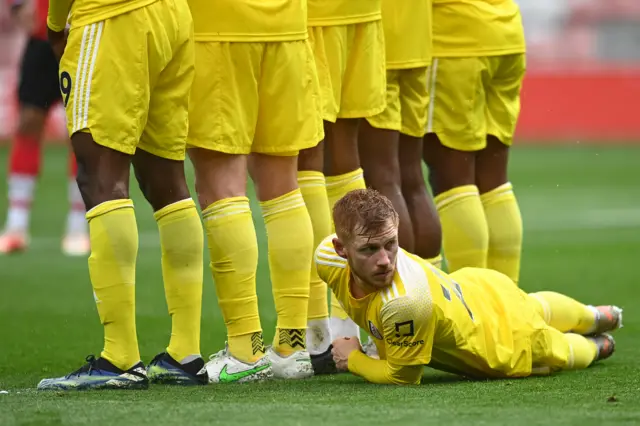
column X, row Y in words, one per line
column 381, row 372
column 58, row 14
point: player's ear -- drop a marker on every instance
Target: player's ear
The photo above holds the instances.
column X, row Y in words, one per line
column 339, row 247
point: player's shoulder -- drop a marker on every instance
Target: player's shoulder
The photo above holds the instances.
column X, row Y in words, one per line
column 325, row 254
column 409, row 294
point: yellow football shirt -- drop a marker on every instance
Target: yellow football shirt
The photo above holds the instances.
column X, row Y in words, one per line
column 427, row 317
column 407, row 33
column 324, row 13
column 477, row 28
column 249, row 20
column 85, row 12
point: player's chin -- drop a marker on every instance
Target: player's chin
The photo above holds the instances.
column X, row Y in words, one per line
column 383, row 279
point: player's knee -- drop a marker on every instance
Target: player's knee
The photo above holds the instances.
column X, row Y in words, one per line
column 312, row 159
column 162, row 186
column 218, row 175
column 448, row 168
column 273, row 175
column 491, row 165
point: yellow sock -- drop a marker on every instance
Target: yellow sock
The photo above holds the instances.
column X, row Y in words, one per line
column 582, row 351
column 338, row 187
column 436, row 261
column 112, row 268
column 290, row 241
column 314, row 192
column 465, row 237
column 182, row 241
column 233, row 249
column 505, row 230
column 564, row 313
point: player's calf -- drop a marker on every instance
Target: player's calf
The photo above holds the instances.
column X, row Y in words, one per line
column 424, row 216
column 378, row 149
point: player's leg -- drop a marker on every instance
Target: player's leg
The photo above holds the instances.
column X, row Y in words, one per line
column 312, row 185
column 553, row 350
column 76, row 239
column 414, row 101
column 456, row 129
column 499, row 201
column 273, row 168
column 24, row 160
column 219, row 155
column 356, row 62
column 159, row 169
column 378, row 148
column 105, row 127
column 568, row 315
column 424, row 216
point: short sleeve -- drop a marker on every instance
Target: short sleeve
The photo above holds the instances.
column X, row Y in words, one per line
column 408, row 326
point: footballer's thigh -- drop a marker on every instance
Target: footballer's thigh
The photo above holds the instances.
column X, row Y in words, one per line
column 159, row 161
column 105, row 83
column 502, row 90
column 105, row 90
column 457, row 103
column 455, row 122
column 289, row 114
column 364, row 85
column 223, row 112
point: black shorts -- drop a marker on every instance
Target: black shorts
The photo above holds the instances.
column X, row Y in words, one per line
column 38, row 85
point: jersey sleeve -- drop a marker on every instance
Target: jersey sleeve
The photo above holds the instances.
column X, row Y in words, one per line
column 408, row 326
column 328, row 263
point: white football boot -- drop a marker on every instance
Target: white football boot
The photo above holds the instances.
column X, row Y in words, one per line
column 293, row 367
column 225, row 368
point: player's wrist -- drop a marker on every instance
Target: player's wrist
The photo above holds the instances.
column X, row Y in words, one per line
column 355, row 356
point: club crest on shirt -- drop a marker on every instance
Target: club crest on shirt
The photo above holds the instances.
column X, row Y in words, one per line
column 374, row 331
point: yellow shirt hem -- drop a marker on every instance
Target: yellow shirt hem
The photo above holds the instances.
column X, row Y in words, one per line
column 251, row 38
column 347, row 20
column 408, row 65
column 97, row 15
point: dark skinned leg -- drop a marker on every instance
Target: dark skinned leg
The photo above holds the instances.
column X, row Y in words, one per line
column 379, row 157
column 424, row 217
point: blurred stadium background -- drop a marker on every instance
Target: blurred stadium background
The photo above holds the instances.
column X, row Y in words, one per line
column 583, row 72
column 576, row 170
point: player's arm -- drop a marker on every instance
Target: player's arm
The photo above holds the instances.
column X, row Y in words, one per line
column 382, row 371
column 58, row 14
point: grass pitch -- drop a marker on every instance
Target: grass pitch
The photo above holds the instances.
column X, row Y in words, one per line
column 581, row 209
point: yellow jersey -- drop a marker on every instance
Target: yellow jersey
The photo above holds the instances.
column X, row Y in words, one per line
column 324, row 13
column 477, row 28
column 407, row 33
column 474, row 322
column 84, row 12
column 249, row 20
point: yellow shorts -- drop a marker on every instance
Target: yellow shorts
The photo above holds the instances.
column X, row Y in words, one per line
column 351, row 68
column 255, row 97
column 475, row 97
column 126, row 80
column 407, row 102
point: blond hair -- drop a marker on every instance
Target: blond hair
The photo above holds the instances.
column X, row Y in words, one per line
column 363, row 212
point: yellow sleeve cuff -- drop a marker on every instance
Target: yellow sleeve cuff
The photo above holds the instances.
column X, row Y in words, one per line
column 58, row 14
column 382, row 371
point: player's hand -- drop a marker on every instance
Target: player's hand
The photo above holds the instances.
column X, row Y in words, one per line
column 342, row 348
column 58, row 41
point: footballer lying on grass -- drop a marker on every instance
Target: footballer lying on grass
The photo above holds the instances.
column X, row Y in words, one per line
column 473, row 322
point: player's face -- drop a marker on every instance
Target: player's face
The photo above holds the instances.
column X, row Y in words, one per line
column 373, row 258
